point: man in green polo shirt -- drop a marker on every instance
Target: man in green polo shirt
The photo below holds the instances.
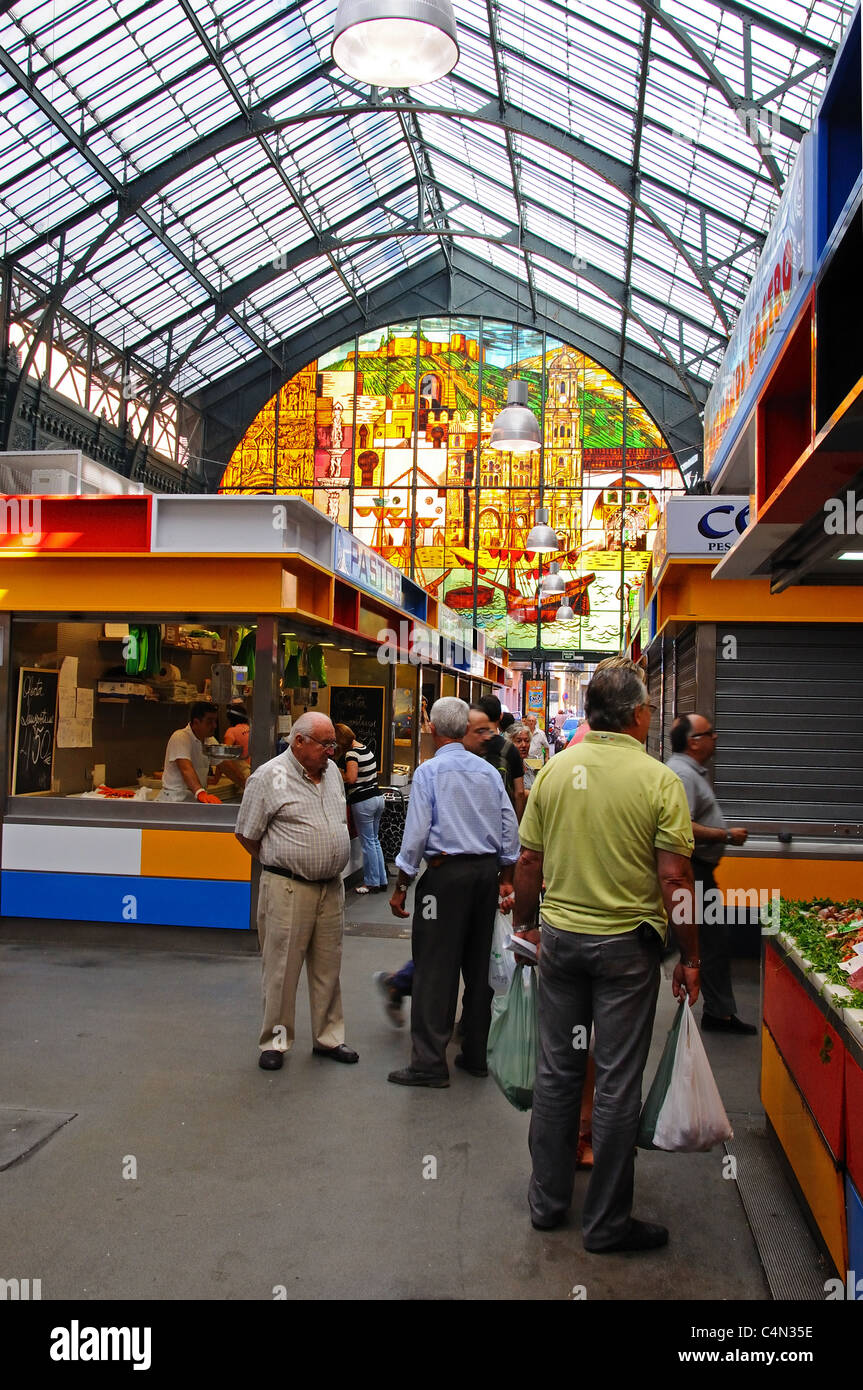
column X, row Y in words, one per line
column 608, row 830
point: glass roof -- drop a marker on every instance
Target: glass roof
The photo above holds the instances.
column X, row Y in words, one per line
column 196, row 181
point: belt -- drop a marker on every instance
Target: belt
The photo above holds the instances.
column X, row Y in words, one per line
column 439, row 859
column 289, row 873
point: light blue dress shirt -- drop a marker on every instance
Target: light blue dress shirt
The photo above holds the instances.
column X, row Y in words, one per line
column 458, row 805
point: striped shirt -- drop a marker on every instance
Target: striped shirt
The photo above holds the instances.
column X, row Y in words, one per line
column 458, row 805
column 301, row 824
column 366, row 784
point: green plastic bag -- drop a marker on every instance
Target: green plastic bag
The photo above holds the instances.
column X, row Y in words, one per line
column 659, row 1090
column 513, row 1039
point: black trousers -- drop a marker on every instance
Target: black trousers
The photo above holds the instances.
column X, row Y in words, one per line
column 717, row 991
column 454, row 911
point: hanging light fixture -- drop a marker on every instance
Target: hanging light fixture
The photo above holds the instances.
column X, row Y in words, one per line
column 541, row 536
column 395, row 43
column 515, row 429
column 552, row 583
column 564, row 613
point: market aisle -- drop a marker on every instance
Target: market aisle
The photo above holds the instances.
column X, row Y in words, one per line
column 311, row 1178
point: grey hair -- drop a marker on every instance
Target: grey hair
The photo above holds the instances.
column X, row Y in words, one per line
column 612, row 698
column 514, row 729
column 306, row 725
column 450, row 717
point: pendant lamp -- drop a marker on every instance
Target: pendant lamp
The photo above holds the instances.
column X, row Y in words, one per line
column 395, row 43
column 564, row 613
column 516, row 428
column 552, row 583
column 541, row 537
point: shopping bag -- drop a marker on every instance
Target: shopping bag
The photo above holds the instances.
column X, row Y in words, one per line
column 513, row 1039
column 683, row 1112
column 501, row 962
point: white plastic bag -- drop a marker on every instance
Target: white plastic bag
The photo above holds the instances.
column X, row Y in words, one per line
column 501, row 965
column 692, row 1116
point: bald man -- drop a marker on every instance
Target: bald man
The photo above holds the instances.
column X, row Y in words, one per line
column 693, row 743
column 293, row 821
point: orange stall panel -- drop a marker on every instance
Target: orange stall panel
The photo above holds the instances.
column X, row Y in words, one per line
column 820, row 1181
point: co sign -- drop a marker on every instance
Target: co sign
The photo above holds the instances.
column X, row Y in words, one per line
column 722, row 521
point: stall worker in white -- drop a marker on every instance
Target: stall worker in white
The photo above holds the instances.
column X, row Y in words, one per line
column 187, row 763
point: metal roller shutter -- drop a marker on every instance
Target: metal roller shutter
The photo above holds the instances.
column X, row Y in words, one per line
column 669, row 677
column 654, row 690
column 789, row 716
column 684, row 695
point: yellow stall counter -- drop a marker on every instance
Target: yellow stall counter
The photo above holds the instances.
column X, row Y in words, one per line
column 209, row 854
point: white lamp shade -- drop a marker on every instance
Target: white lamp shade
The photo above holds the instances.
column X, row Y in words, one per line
column 395, row 43
column 564, row 614
column 516, row 429
column 552, row 583
column 541, row 536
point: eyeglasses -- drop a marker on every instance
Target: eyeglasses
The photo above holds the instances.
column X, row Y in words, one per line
column 705, row 733
column 328, row 743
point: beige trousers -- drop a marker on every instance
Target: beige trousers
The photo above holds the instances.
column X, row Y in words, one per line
column 300, row 922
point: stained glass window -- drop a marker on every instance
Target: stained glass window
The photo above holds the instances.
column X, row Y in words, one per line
column 388, row 434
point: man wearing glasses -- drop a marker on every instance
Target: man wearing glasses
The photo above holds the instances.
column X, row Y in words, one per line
column 293, row 821
column 693, row 743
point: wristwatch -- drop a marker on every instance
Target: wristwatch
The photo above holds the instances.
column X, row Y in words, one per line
column 690, row 964
column 728, row 837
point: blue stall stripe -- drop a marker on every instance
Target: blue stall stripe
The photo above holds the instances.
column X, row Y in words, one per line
column 175, row 902
column 854, row 1213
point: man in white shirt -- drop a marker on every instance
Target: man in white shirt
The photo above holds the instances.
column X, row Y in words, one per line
column 538, row 740
column 187, row 764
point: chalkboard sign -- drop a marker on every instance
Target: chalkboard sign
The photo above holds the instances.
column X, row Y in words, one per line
column 35, row 727
column 361, row 707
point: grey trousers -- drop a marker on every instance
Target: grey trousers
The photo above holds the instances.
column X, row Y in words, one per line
column 611, row 982
column 717, row 991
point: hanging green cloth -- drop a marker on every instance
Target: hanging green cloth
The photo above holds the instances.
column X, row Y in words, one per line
column 133, row 651
column 245, row 653
column 291, row 677
column 317, row 667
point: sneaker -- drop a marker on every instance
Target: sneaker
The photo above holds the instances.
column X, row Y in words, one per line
column 392, row 1000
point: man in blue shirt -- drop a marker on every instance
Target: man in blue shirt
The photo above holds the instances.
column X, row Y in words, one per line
column 461, row 822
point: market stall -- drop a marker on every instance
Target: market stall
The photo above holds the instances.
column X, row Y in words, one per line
column 812, row 1064
column 779, row 675
column 118, row 618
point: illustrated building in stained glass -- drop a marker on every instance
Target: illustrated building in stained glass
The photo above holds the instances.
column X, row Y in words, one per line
column 388, row 434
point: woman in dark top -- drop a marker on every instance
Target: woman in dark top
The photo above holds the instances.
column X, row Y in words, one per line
column 360, row 774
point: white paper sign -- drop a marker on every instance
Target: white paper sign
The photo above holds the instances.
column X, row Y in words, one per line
column 68, row 672
column 74, row 733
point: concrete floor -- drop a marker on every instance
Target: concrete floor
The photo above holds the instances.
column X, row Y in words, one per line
column 310, row 1178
